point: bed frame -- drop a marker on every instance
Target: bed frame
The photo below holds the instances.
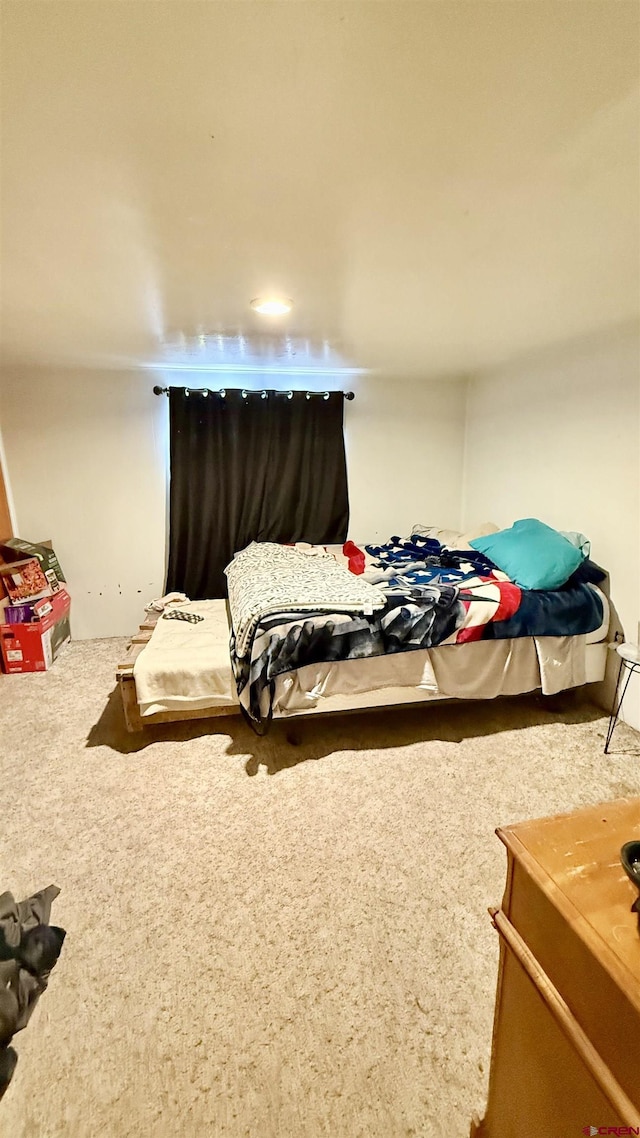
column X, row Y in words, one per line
column 394, row 697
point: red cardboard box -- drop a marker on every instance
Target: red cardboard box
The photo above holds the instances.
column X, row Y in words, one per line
column 33, row 647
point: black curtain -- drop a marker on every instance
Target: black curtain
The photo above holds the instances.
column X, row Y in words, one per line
column 250, row 469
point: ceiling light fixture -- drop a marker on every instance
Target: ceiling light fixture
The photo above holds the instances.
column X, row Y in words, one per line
column 271, row 306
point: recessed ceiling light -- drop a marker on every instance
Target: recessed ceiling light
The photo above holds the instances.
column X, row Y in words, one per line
column 271, row 306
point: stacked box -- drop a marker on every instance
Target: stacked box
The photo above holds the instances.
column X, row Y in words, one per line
column 15, row 549
column 34, row 613
column 33, row 646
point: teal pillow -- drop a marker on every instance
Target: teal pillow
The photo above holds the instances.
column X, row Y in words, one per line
column 531, row 553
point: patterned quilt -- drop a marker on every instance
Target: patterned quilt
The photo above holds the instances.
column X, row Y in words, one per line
column 431, row 596
column 267, row 578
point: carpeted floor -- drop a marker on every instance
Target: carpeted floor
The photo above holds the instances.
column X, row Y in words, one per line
column 268, row 938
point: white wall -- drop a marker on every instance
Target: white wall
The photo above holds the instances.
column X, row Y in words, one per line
column 404, row 455
column 87, row 465
column 557, row 436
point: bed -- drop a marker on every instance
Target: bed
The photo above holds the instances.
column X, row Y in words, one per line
column 308, row 630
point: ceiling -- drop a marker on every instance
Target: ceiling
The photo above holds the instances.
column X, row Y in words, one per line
column 439, row 186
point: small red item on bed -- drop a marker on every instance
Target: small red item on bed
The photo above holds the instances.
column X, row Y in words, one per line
column 356, row 558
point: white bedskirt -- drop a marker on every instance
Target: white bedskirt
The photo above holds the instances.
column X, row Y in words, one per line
column 187, row 666
column 481, row 670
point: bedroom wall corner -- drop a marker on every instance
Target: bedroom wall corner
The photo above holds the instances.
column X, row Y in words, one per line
column 556, row 436
column 404, row 442
column 465, row 520
column 7, row 510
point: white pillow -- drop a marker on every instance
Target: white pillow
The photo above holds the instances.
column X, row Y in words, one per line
column 456, row 539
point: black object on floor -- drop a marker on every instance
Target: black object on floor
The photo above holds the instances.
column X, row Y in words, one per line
column 629, row 666
column 630, row 858
column 29, row 949
column 8, row 1063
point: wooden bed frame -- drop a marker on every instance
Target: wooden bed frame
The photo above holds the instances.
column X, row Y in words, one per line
column 124, row 674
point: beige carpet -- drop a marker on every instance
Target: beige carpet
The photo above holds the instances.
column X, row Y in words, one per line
column 265, row 939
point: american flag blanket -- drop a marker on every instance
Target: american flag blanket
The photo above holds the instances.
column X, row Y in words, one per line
column 433, row 596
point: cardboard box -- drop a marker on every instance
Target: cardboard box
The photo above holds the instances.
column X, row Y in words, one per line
column 22, row 614
column 24, row 581
column 33, row 646
column 15, row 549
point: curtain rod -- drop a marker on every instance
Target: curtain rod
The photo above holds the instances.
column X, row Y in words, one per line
column 263, row 394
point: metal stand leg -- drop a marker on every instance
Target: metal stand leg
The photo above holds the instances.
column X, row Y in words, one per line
column 617, row 703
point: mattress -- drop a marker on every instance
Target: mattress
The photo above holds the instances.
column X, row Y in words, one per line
column 478, row 670
column 435, row 597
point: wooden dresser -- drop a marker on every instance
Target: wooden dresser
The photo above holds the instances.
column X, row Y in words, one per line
column 566, row 1038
